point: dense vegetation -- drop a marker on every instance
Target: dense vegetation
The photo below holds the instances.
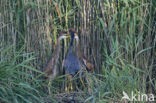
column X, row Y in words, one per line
column 117, row 36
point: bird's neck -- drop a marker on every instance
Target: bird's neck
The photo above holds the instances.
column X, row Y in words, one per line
column 71, row 45
column 57, row 46
column 78, row 49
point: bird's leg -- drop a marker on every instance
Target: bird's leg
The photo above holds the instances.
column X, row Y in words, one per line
column 66, row 85
column 49, row 84
column 71, row 86
column 82, row 82
column 80, row 74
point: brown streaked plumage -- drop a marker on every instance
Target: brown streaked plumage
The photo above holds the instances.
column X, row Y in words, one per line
column 89, row 66
column 51, row 69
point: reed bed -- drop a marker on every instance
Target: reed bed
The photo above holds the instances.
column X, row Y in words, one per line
column 117, row 36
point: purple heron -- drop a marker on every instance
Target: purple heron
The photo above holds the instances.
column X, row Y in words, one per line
column 51, row 68
column 74, row 63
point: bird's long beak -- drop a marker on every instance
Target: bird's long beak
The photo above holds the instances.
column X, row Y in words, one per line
column 67, row 35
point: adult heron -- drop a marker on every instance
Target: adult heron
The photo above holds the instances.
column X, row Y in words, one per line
column 51, row 68
column 74, row 63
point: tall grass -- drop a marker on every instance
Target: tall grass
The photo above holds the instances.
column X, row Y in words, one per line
column 118, row 37
column 17, row 82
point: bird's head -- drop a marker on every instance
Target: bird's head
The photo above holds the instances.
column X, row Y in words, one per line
column 73, row 33
column 70, row 34
column 64, row 35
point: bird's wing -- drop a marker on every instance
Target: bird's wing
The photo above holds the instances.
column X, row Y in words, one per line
column 89, row 66
column 48, row 67
column 51, row 66
column 83, row 60
column 71, row 64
